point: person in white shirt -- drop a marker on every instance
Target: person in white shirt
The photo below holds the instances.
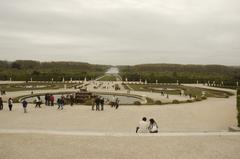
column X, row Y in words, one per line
column 143, row 126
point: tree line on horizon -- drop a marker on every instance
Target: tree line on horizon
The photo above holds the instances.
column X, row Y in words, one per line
column 24, row 70
column 164, row 73
column 171, row 73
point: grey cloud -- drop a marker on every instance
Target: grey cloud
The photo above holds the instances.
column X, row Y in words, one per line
column 121, row 32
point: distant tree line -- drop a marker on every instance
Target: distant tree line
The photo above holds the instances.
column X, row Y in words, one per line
column 45, row 71
column 170, row 73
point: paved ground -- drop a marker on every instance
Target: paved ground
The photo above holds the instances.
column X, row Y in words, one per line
column 196, row 130
column 35, row 146
column 209, row 115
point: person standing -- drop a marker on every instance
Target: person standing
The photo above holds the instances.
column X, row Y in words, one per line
column 46, row 99
column 60, row 103
column 113, row 101
column 142, row 126
column 93, row 102
column 1, row 103
column 24, row 104
column 71, row 99
column 102, row 103
column 10, row 104
column 52, row 100
column 63, row 100
column 49, row 100
column 153, row 127
column 97, row 101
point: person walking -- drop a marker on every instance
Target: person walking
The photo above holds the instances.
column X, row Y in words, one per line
column 1, row 103
column 10, row 104
column 46, row 99
column 24, row 104
column 60, row 103
column 117, row 103
column 142, row 126
column 38, row 102
column 153, row 127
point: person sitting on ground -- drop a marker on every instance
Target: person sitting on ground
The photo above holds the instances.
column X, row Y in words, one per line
column 142, row 126
column 153, row 127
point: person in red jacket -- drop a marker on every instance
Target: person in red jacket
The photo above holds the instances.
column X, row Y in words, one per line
column 52, row 100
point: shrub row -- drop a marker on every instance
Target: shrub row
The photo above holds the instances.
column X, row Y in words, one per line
column 238, row 106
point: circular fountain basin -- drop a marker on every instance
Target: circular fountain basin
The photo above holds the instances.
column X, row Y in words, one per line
column 123, row 99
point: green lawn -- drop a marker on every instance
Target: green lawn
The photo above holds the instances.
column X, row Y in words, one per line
column 175, row 90
column 33, row 86
column 238, row 106
column 108, row 78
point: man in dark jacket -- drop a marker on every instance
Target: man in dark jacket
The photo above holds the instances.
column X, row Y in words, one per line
column 97, row 101
column 24, row 104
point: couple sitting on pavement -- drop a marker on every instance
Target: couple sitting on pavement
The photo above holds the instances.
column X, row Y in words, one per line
column 147, row 127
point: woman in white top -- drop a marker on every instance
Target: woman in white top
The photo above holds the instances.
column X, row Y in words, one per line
column 153, row 127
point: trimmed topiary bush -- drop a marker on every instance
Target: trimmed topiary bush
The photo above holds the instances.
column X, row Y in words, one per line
column 198, row 99
column 149, row 100
column 203, row 98
column 88, row 102
column 137, row 103
column 238, row 106
column 158, row 102
column 175, row 101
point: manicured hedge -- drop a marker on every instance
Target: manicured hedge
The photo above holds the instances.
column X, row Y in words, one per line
column 238, row 106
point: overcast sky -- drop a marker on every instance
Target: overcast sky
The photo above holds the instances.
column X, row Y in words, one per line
column 121, row 31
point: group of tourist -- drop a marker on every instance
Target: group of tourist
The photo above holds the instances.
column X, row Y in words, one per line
column 145, row 126
column 49, row 99
column 163, row 94
column 3, row 92
column 115, row 102
column 98, row 102
column 10, row 104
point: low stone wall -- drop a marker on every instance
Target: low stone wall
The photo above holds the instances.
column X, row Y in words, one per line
column 124, row 94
